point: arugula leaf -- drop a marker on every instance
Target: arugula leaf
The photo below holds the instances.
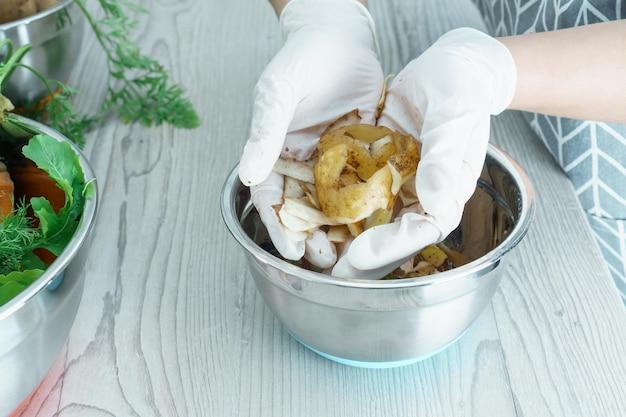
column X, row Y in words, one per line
column 14, row 283
column 62, row 164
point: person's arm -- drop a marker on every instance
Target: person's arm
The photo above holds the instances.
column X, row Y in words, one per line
column 578, row 72
column 279, row 5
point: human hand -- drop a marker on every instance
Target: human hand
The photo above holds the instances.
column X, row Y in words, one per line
column 327, row 66
column 445, row 97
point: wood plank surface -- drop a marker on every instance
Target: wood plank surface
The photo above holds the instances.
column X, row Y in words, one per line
column 171, row 323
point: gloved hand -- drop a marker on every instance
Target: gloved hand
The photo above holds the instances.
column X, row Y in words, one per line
column 327, row 67
column 445, row 97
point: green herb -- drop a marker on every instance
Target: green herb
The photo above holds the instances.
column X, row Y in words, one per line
column 139, row 87
column 18, row 237
column 62, row 116
column 14, row 283
column 61, row 163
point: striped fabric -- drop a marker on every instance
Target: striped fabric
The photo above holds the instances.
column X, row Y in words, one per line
column 592, row 154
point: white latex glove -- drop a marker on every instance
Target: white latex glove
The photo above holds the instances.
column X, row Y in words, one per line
column 445, row 97
column 327, row 67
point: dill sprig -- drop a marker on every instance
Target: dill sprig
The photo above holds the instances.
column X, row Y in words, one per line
column 17, row 239
column 139, row 87
column 63, row 117
column 58, row 111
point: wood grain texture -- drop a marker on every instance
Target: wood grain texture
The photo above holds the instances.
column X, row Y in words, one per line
column 171, row 324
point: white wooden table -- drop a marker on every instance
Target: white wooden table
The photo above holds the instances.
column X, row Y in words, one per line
column 171, row 324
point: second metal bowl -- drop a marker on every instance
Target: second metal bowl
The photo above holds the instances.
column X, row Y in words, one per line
column 55, row 35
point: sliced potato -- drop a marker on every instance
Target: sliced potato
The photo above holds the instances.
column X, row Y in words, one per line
column 434, row 255
column 295, row 169
column 338, row 234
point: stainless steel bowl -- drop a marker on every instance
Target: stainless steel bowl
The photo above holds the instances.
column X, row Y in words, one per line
column 35, row 324
column 55, row 35
column 391, row 323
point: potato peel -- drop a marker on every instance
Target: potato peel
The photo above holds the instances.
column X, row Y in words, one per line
column 351, row 118
column 354, row 202
column 338, row 234
column 292, row 188
column 295, row 169
column 294, row 223
column 359, row 177
column 380, row 216
column 355, row 229
column 360, row 169
column 302, row 209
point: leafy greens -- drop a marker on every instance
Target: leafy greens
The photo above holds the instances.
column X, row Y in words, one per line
column 19, row 237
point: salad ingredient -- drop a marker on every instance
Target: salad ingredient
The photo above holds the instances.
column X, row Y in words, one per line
column 31, row 181
column 14, row 283
column 62, row 165
column 7, row 189
column 22, row 237
column 140, row 89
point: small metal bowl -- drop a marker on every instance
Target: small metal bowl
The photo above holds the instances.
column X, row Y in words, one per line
column 390, row 323
column 35, row 324
column 55, row 35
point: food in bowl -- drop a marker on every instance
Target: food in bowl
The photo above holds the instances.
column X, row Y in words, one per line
column 382, row 324
column 11, row 10
column 42, row 195
column 359, row 177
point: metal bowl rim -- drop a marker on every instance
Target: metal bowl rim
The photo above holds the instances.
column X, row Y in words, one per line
column 477, row 268
column 37, row 16
column 70, row 251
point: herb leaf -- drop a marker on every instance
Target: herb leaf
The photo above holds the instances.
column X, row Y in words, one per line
column 17, row 237
column 140, row 89
column 61, row 163
column 15, row 282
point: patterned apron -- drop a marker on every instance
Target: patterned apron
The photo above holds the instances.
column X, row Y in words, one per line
column 592, row 154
